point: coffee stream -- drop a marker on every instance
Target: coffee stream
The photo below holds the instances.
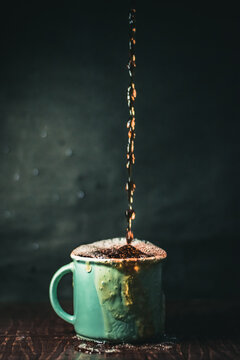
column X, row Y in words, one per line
column 128, row 251
column 131, row 97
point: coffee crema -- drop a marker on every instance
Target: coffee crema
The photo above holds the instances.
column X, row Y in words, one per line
column 117, row 249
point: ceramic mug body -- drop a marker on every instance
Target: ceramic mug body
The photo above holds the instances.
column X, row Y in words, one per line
column 115, row 300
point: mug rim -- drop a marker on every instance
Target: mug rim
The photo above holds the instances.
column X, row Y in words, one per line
column 118, row 260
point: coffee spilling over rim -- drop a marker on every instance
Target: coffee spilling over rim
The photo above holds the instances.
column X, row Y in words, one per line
column 117, row 249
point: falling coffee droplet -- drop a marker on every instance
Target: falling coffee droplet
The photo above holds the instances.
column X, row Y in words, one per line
column 132, row 123
column 129, row 236
column 130, row 214
column 132, row 147
column 131, row 97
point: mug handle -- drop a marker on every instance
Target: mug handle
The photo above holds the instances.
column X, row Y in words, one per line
column 53, row 293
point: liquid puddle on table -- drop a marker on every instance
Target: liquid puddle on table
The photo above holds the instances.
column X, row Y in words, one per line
column 91, row 347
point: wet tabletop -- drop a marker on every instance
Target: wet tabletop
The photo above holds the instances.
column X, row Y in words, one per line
column 196, row 330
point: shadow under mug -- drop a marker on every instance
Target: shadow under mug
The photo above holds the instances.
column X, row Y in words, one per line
column 115, row 300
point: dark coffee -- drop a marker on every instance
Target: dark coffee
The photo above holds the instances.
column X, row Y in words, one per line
column 117, row 249
column 124, row 252
column 152, row 350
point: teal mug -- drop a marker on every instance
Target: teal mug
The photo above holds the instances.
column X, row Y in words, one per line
column 115, row 300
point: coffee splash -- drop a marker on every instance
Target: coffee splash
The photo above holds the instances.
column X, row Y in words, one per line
column 117, row 249
column 131, row 97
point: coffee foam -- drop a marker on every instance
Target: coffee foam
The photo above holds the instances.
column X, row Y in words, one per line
column 89, row 250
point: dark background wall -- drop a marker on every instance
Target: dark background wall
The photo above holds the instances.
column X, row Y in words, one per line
column 63, row 138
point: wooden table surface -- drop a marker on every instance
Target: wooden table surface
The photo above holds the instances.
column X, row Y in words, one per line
column 204, row 330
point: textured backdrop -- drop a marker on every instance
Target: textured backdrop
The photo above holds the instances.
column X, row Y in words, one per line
column 63, row 140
